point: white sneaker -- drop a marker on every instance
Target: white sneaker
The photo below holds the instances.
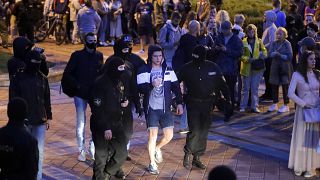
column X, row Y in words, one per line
column 111, row 43
column 82, row 156
column 141, row 51
column 284, row 109
column 256, row 110
column 298, row 173
column 273, row 107
column 158, row 156
column 103, row 44
column 242, row 110
column 308, row 174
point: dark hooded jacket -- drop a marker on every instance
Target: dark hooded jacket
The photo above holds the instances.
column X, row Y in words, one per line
column 105, row 103
column 18, row 153
column 171, row 84
column 17, row 63
column 81, row 71
column 34, row 88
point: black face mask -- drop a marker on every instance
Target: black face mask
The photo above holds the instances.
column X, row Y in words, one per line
column 113, row 72
column 92, row 46
column 32, row 67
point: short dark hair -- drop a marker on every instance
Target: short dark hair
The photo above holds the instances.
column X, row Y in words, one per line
column 222, row 173
column 313, row 26
column 276, row 3
column 89, row 34
column 176, row 15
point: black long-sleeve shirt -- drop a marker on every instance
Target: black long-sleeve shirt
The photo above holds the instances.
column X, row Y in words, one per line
column 203, row 81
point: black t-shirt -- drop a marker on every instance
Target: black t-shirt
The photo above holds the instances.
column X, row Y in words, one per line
column 145, row 11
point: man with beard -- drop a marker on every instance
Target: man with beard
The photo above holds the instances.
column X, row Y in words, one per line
column 111, row 119
column 202, row 79
column 33, row 86
column 78, row 78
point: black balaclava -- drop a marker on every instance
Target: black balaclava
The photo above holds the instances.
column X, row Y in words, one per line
column 113, row 72
column 123, row 47
column 92, row 45
column 33, row 61
column 21, row 46
column 17, row 110
column 199, row 54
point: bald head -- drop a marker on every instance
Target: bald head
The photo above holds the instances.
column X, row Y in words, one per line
column 194, row 27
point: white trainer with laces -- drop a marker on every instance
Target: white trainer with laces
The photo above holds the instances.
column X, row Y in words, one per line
column 82, row 156
column 158, row 156
column 273, row 107
column 284, row 109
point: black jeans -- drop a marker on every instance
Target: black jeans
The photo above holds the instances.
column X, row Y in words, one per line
column 266, row 75
column 231, row 81
column 275, row 93
column 28, row 31
column 199, row 122
column 109, row 154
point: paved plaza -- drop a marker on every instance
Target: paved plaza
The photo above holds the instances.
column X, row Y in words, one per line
column 256, row 146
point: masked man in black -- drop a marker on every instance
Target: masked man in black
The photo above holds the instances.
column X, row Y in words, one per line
column 78, row 77
column 33, row 86
column 111, row 120
column 123, row 49
column 202, row 80
column 18, row 148
column 21, row 46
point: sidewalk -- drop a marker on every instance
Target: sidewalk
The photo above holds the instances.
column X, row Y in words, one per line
column 61, row 151
column 228, row 144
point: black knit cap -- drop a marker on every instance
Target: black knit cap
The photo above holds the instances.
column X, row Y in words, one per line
column 199, row 54
column 17, row 109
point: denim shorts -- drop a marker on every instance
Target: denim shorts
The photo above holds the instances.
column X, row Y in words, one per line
column 156, row 117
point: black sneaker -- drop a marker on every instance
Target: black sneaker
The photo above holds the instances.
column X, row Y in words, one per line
column 120, row 174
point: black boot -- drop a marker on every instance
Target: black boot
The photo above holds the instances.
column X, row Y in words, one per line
column 197, row 163
column 120, row 174
column 186, row 160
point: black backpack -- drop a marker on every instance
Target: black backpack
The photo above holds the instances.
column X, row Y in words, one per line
column 68, row 85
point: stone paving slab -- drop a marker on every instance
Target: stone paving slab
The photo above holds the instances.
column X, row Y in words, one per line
column 245, row 131
column 61, row 151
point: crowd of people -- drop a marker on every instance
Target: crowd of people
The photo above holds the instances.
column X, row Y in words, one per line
column 196, row 60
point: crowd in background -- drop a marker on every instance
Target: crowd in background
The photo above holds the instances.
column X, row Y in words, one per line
column 290, row 42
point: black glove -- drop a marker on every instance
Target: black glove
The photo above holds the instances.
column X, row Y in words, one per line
column 140, row 112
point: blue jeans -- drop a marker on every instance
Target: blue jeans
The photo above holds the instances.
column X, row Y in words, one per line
column 39, row 133
column 250, row 82
column 184, row 120
column 81, row 107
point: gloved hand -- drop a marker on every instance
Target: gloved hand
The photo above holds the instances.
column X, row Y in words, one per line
column 140, row 112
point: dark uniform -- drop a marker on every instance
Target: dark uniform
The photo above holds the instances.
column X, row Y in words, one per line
column 109, row 90
column 202, row 80
column 18, row 148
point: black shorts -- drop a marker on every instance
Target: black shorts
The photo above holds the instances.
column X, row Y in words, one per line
column 145, row 30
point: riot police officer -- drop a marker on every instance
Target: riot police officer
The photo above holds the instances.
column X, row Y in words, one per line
column 111, row 121
column 202, row 80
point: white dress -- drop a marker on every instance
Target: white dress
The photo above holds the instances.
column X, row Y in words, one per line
column 305, row 136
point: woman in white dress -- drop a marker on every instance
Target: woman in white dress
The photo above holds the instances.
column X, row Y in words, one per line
column 304, row 159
